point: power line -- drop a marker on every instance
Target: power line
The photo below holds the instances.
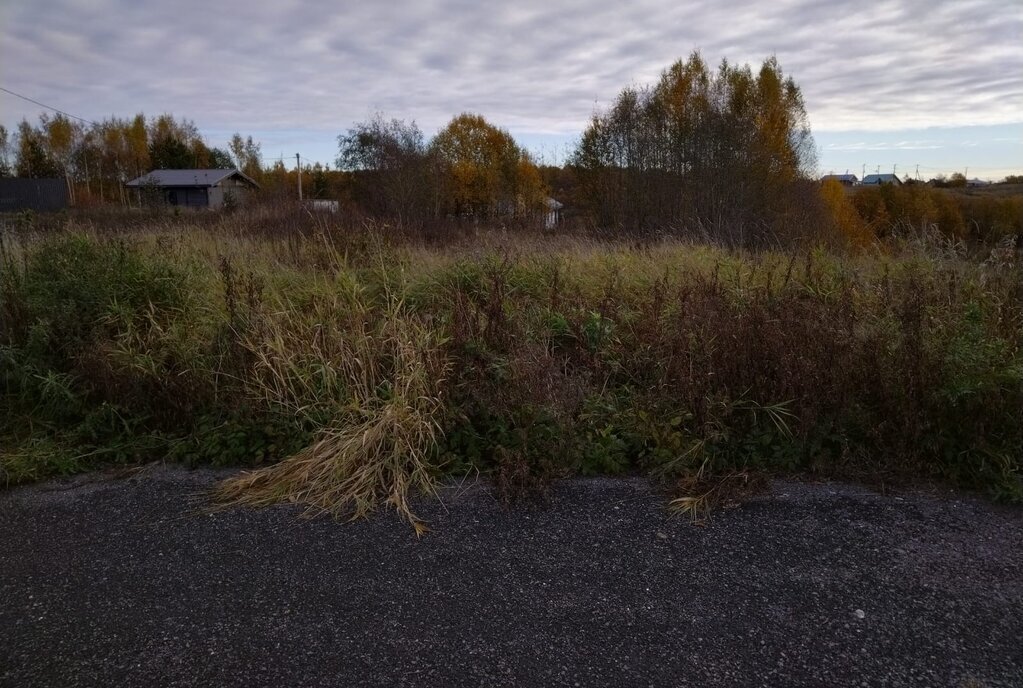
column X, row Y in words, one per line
column 48, row 107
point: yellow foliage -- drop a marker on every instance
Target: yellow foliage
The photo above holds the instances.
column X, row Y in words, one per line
column 845, row 216
column 487, row 172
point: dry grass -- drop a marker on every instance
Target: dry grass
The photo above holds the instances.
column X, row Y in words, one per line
column 702, row 493
column 387, row 374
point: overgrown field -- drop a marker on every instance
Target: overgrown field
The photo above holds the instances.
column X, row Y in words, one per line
column 353, row 368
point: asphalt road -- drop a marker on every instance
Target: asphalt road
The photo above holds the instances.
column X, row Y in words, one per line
column 123, row 583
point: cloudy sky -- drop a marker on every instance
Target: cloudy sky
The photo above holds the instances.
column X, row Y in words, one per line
column 934, row 83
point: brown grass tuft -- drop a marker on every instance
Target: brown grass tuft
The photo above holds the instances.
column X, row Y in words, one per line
column 376, row 449
column 701, row 493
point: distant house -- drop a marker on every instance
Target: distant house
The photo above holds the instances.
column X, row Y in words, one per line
column 22, row 193
column 553, row 216
column 972, row 183
column 196, row 188
column 843, row 179
column 322, row 206
column 879, row 179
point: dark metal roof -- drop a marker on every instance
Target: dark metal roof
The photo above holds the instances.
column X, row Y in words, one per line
column 881, row 179
column 187, row 178
column 840, row 177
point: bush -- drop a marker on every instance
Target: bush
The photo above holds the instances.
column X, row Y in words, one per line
column 93, row 348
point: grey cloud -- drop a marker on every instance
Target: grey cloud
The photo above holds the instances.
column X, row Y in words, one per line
column 534, row 66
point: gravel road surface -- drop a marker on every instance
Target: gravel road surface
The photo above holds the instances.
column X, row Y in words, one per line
column 125, row 582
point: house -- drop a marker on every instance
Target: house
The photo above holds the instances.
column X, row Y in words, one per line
column 843, row 179
column 20, row 193
column 553, row 215
column 973, row 183
column 879, row 179
column 196, row 188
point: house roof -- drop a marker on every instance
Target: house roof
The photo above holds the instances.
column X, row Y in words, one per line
column 881, row 179
column 840, row 177
column 203, row 178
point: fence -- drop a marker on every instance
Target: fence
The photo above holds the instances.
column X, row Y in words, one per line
column 33, row 194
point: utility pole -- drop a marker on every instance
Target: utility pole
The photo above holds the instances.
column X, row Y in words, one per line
column 918, row 172
column 863, row 173
column 298, row 164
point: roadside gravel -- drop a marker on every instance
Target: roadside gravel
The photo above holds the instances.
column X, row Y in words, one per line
column 127, row 582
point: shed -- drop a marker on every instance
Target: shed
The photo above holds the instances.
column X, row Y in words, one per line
column 196, row 188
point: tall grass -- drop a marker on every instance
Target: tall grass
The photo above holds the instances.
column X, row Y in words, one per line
column 374, row 383
column 350, row 367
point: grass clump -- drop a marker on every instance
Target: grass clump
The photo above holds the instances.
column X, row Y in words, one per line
column 375, row 380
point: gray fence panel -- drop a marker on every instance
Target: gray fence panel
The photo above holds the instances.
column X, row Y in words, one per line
column 33, row 194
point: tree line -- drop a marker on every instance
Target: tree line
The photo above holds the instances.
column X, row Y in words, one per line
column 719, row 152
column 470, row 169
column 97, row 158
column 385, row 167
column 724, row 154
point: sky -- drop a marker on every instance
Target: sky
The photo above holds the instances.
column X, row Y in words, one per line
column 928, row 85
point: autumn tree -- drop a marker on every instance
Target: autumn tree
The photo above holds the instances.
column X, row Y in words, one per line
column 176, row 144
column 278, row 182
column 6, row 169
column 86, row 162
column 724, row 154
column 97, row 158
column 118, row 159
column 48, row 150
column 394, row 173
column 33, row 157
column 220, row 159
column 247, row 155
column 170, row 154
column 890, row 209
column 60, row 136
column 320, row 183
column 485, row 173
column 137, row 138
column 843, row 214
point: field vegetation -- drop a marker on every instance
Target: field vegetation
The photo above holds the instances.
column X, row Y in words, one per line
column 354, row 366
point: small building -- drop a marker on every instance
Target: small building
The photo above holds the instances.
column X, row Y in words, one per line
column 322, row 206
column 879, row 179
column 23, row 193
column 553, row 215
column 196, row 188
column 974, row 183
column 843, row 179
